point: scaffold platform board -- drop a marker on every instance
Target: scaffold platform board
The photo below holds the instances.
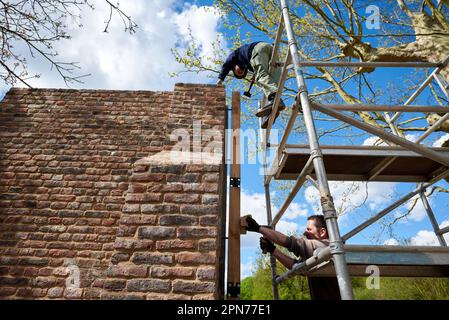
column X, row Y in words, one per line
column 363, row 163
column 393, row 261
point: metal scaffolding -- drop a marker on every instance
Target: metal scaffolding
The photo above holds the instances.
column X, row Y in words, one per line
column 292, row 162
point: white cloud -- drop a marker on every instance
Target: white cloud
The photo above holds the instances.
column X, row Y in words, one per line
column 412, row 137
column 428, row 238
column 296, row 210
column 419, row 212
column 287, row 227
column 391, row 242
column 199, row 21
column 118, row 60
column 246, row 269
column 350, row 195
column 424, row 238
column 374, row 141
column 440, row 141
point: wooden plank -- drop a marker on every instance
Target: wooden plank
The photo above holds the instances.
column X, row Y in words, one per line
column 365, row 163
column 388, row 271
column 394, row 261
column 234, row 205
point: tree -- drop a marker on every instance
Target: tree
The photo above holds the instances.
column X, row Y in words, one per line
column 37, row 25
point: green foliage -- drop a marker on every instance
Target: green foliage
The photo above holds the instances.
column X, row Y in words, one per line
column 404, row 289
column 258, row 287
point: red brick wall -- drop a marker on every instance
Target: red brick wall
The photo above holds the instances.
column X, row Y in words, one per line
column 86, row 212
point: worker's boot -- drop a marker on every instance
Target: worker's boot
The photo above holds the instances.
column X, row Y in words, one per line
column 266, row 119
column 265, row 111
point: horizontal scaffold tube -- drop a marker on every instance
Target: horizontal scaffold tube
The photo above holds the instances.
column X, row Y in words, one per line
column 320, row 256
column 369, row 64
column 412, row 146
column 391, row 108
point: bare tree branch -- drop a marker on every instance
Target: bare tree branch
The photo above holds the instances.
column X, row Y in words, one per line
column 38, row 26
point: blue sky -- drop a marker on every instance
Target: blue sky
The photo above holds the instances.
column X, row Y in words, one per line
column 143, row 61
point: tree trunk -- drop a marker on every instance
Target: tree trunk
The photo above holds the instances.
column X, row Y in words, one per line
column 431, row 45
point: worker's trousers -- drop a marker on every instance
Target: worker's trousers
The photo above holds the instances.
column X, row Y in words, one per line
column 260, row 61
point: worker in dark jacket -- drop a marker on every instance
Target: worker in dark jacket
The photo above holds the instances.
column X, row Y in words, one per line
column 255, row 57
column 321, row 288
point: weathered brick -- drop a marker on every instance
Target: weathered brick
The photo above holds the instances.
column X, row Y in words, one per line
column 147, row 177
column 38, row 293
column 138, row 219
column 156, row 232
column 196, row 232
column 186, row 178
column 73, row 293
column 175, row 244
column 149, row 286
column 209, row 199
column 128, row 271
column 6, row 292
column 211, row 177
column 55, row 292
column 9, row 281
column 178, row 220
column 33, row 261
column 118, row 296
column 172, row 272
column 195, row 258
column 143, row 197
column 97, row 214
column 207, row 245
column 193, row 287
column 199, row 209
column 19, row 157
column 43, row 282
column 175, row 169
column 172, row 187
column 92, row 293
column 137, row 187
column 119, row 257
column 209, row 220
column 203, row 168
column 159, row 208
column 181, row 198
column 115, row 285
column 126, row 231
column 205, row 273
column 131, row 208
column 62, row 197
column 152, row 258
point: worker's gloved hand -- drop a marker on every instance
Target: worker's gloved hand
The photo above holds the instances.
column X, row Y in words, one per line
column 252, row 224
column 219, row 82
column 266, row 245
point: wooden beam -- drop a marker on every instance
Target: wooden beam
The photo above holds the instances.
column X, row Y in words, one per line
column 233, row 283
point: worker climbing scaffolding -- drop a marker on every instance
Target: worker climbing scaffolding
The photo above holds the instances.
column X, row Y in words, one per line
column 255, row 58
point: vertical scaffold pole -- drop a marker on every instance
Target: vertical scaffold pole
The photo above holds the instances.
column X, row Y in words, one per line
column 274, row 285
column 233, row 283
column 432, row 218
column 330, row 215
